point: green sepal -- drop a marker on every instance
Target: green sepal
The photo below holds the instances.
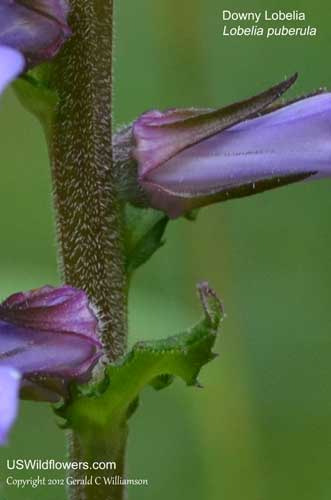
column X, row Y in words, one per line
column 143, row 236
column 153, row 363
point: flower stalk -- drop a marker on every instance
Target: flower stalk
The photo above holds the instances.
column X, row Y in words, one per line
column 88, row 212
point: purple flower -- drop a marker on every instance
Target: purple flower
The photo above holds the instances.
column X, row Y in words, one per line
column 190, row 158
column 9, row 392
column 36, row 28
column 48, row 338
column 11, row 65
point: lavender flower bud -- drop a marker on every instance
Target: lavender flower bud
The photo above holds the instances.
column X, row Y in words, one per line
column 49, row 338
column 186, row 159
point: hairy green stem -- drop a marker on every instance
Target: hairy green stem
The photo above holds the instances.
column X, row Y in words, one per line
column 104, row 451
column 88, row 213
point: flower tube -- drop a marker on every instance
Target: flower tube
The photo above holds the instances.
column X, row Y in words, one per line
column 188, row 159
column 48, row 338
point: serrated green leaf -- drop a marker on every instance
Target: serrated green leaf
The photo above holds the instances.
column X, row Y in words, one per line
column 152, row 363
column 143, row 237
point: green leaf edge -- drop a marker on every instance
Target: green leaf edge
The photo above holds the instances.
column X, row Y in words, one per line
column 153, row 363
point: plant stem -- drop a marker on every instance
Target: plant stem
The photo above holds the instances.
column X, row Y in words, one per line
column 107, row 447
column 89, row 219
column 88, row 214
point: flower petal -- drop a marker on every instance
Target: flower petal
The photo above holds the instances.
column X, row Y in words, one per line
column 63, row 309
column 37, row 28
column 9, row 390
column 11, row 65
column 50, row 336
column 292, row 143
column 33, row 351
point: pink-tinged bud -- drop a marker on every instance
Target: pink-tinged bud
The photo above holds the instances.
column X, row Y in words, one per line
column 49, row 337
column 36, row 28
column 191, row 158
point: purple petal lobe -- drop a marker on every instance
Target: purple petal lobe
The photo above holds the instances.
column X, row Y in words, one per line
column 50, row 336
column 11, row 65
column 291, row 143
column 37, row 28
column 9, row 391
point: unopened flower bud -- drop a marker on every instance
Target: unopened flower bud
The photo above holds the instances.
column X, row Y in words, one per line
column 190, row 158
column 48, row 338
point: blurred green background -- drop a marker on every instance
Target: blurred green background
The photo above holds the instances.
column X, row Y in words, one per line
column 261, row 428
